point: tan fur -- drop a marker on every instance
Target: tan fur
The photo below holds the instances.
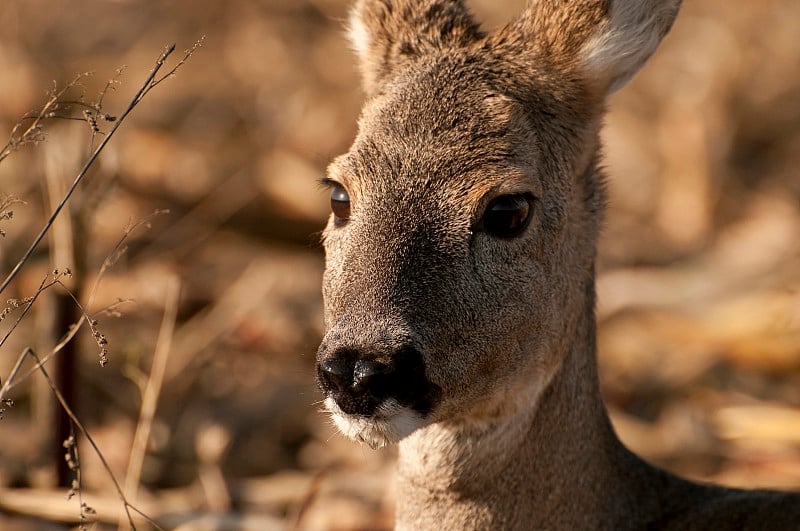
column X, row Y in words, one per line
column 516, row 435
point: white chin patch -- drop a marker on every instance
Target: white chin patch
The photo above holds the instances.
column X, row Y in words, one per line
column 390, row 423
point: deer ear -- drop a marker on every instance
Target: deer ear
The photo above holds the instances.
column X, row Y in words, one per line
column 387, row 35
column 603, row 42
column 626, row 38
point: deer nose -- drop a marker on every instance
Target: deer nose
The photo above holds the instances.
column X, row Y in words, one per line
column 361, row 375
column 359, row 381
column 357, row 384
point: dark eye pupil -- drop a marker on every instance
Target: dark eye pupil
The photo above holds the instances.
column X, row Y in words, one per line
column 507, row 216
column 340, row 204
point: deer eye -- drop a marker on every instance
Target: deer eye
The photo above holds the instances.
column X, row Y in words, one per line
column 508, row 215
column 340, row 204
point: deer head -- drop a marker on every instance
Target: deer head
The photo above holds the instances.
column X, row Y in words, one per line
column 460, row 250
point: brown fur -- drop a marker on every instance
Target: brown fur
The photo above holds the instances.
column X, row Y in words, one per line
column 518, row 437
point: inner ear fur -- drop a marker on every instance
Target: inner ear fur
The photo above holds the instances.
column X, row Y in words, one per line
column 627, row 38
column 604, row 42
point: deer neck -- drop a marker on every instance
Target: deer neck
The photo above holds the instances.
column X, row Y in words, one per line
column 526, row 467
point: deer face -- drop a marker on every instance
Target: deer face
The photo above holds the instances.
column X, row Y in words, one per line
column 459, row 254
column 444, row 283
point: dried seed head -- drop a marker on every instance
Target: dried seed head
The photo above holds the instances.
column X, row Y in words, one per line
column 87, row 509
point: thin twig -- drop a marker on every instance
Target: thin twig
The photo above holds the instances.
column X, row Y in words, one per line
column 85, row 433
column 33, row 133
column 96, row 109
column 186, row 55
column 28, row 304
column 119, row 249
column 143, row 90
column 13, row 381
column 8, row 384
column 110, row 260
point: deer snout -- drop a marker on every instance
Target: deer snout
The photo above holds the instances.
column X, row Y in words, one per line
column 359, row 380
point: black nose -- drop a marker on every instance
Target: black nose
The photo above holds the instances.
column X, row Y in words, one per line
column 361, row 375
column 359, row 381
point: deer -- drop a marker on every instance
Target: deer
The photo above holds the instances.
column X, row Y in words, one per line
column 459, row 281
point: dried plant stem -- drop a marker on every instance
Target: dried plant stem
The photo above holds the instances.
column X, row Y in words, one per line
column 12, row 380
column 151, row 393
column 17, row 367
column 78, row 424
column 109, row 261
column 28, row 305
column 150, row 82
column 33, row 133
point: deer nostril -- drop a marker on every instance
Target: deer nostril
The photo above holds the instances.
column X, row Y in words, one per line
column 368, row 372
column 338, row 371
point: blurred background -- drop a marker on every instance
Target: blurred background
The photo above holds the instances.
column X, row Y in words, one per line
column 699, row 269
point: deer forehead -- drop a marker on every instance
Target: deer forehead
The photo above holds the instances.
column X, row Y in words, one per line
column 444, row 133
